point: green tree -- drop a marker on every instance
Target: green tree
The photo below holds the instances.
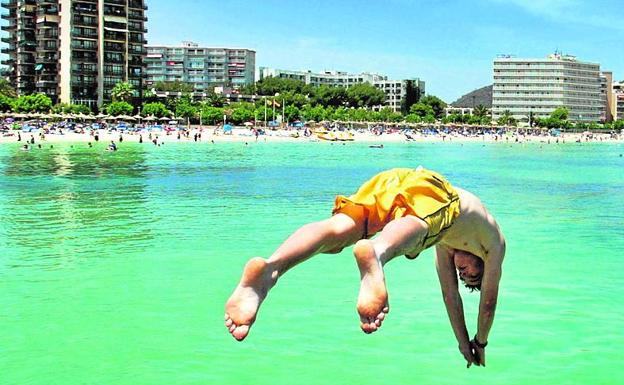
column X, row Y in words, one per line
column 122, row 92
column 32, row 103
column 436, row 103
column 212, row 115
column 292, row 113
column 186, row 109
column 155, row 109
column 242, row 112
column 269, row 86
column 6, row 103
column 422, row 110
column 560, row 113
column 412, row 95
column 119, row 108
column 330, row 96
column 413, row 118
column 480, row 111
column 174, row 87
column 6, row 89
column 507, row 119
column 386, row 114
column 365, row 95
column 215, row 100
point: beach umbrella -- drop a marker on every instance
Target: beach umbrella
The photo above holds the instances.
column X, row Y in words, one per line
column 248, row 124
column 125, row 117
column 89, row 117
column 137, row 117
column 150, row 118
column 110, row 118
column 164, row 118
column 101, row 116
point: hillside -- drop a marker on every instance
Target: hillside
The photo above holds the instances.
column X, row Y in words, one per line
column 480, row 96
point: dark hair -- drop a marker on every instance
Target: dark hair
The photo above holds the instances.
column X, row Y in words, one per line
column 472, row 288
column 476, row 287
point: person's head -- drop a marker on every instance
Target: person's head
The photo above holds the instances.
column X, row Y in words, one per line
column 469, row 268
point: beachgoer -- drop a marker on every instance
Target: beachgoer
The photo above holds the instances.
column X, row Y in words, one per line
column 112, row 146
column 413, row 209
column 140, row 138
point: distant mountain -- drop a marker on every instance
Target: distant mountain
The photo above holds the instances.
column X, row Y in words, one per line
column 476, row 97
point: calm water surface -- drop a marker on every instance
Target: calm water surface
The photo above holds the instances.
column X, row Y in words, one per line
column 114, row 267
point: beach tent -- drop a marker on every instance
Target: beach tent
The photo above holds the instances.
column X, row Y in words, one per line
column 125, row 117
column 227, row 129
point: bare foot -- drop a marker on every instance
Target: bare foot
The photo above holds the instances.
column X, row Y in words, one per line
column 373, row 299
column 242, row 307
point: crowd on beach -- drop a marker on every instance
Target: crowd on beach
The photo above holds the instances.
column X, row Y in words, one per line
column 116, row 133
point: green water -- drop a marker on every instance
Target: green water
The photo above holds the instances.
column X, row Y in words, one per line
column 114, row 267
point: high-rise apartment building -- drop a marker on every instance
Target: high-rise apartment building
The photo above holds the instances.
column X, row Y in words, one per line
column 75, row 51
column 537, row 87
column 618, row 100
column 204, row 68
column 394, row 89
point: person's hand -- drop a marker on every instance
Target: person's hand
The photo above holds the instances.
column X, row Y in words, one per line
column 478, row 353
column 466, row 350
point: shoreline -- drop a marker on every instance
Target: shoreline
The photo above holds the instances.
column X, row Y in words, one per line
column 282, row 136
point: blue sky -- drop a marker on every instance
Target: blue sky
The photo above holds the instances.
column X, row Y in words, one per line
column 448, row 43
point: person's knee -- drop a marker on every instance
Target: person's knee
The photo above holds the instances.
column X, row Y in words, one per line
column 340, row 226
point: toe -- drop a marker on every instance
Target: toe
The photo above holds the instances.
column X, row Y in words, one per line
column 241, row 332
column 228, row 323
column 231, row 327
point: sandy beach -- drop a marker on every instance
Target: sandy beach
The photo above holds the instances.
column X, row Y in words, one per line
column 209, row 135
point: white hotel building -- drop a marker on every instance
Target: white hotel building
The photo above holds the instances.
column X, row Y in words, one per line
column 539, row 86
column 394, row 89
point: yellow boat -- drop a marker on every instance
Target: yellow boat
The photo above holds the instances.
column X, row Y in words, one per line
column 330, row 136
column 345, row 137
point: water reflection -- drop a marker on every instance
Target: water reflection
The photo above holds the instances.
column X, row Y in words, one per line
column 65, row 204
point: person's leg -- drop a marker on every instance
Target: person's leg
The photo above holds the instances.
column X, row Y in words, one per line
column 260, row 275
column 398, row 237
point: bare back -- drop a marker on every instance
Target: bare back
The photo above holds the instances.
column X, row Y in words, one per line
column 475, row 230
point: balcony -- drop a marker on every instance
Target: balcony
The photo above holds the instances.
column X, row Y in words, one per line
column 137, row 5
column 47, row 59
column 115, row 36
column 9, row 4
column 89, row 9
column 84, row 33
column 85, row 21
column 10, row 27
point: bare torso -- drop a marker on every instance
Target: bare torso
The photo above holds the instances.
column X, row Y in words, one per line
column 475, row 230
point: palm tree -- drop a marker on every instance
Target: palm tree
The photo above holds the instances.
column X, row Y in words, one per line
column 216, row 100
column 122, row 92
column 480, row 111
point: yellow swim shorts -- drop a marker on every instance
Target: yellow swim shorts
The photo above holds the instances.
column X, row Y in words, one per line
column 400, row 192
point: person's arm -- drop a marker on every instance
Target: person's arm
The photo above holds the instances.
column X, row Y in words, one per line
column 453, row 302
column 489, row 296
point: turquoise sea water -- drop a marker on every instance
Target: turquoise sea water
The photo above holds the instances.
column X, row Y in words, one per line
column 114, row 267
